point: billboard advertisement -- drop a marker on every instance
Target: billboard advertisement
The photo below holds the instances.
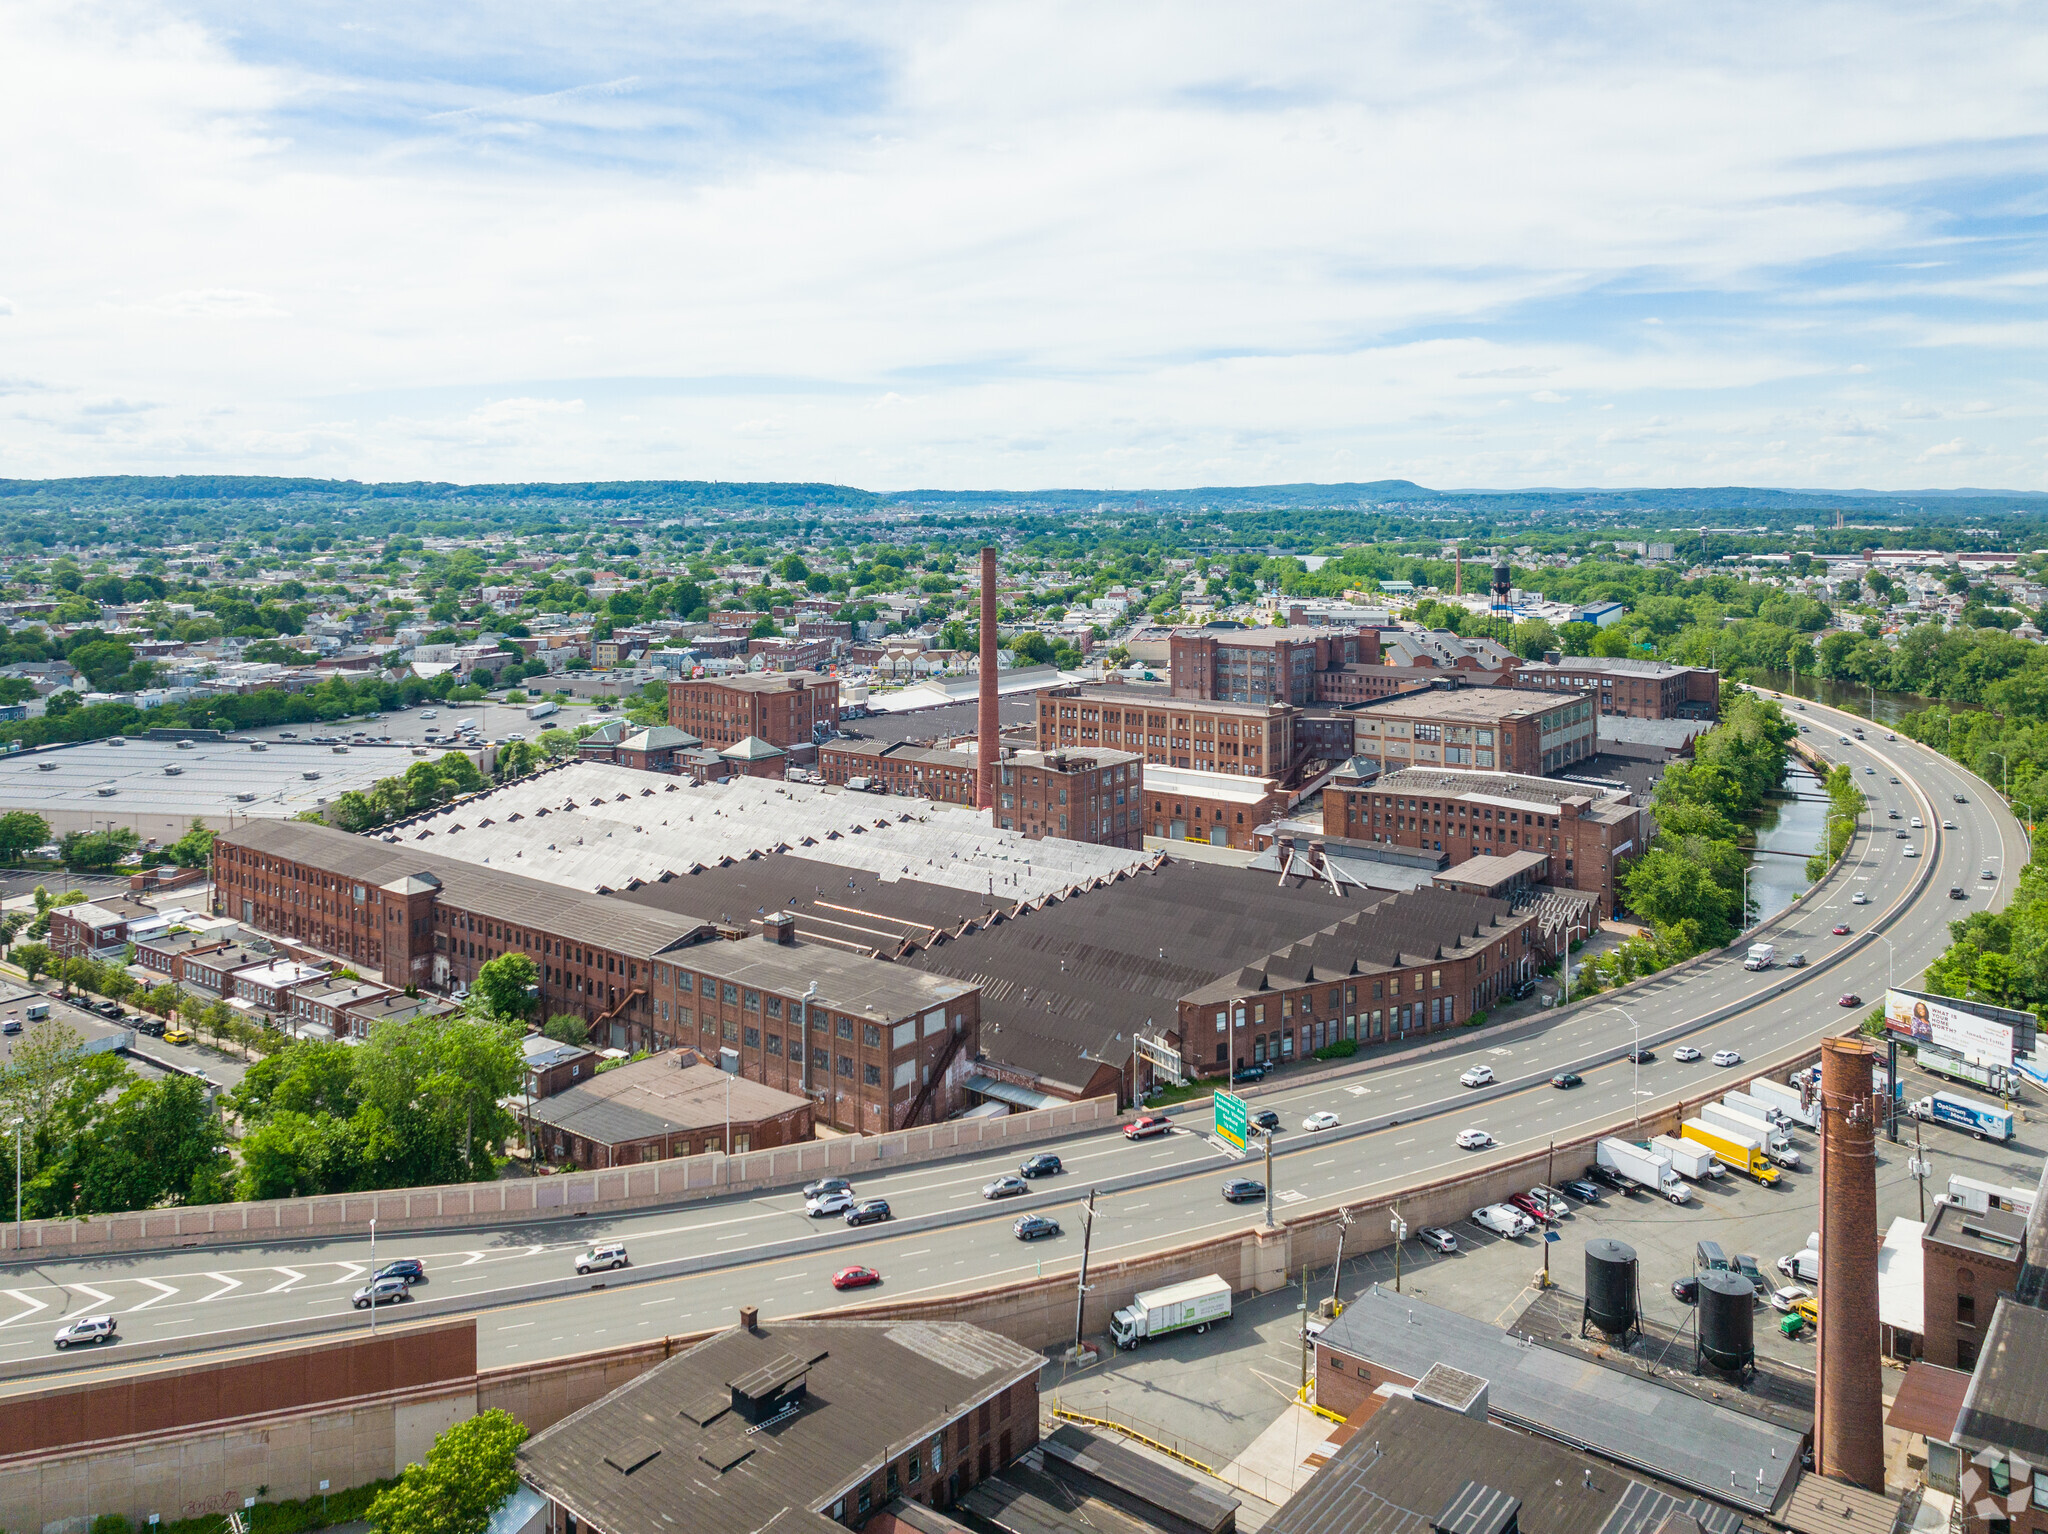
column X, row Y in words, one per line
column 1939, row 1021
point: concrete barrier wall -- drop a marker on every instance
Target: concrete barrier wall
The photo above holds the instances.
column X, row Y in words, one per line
column 567, row 1196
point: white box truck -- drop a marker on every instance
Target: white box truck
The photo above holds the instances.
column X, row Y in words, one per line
column 1776, row 1143
column 1983, row 1120
column 1645, row 1168
column 1687, row 1160
column 1196, row 1305
column 1768, row 1112
column 1761, row 956
column 1775, row 1094
column 541, row 710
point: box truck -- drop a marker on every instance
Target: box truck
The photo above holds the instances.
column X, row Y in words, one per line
column 541, row 710
column 1775, row 1094
column 1990, row 1078
column 1645, row 1168
column 1196, row 1305
column 1775, row 1142
column 1687, row 1159
column 1761, row 956
column 1736, row 1151
column 1744, row 1102
column 1965, row 1113
column 1977, row 1196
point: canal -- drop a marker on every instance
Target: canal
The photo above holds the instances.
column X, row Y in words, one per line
column 1890, row 707
column 1788, row 832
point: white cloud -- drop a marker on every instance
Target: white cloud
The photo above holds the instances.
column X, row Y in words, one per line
column 941, row 245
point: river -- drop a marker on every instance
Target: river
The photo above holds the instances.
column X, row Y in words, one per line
column 1891, row 707
column 1788, row 832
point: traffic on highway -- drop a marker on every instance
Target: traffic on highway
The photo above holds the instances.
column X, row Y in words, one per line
column 1343, row 1136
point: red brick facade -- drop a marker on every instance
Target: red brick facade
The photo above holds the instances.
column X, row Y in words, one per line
column 781, row 708
column 1250, row 740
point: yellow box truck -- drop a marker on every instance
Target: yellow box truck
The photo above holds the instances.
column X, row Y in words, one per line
column 1736, row 1152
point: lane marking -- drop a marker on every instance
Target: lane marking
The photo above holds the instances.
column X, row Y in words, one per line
column 164, row 1292
column 295, row 1276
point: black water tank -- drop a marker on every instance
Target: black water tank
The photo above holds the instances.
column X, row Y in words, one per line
column 1727, row 1321
column 1503, row 580
column 1611, row 1285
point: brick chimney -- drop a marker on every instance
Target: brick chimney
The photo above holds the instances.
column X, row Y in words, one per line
column 1849, row 1425
column 987, row 724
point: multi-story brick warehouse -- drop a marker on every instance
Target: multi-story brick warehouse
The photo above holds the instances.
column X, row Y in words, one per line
column 1229, row 664
column 1967, row 1260
column 1584, row 831
column 1500, row 729
column 899, row 767
column 1084, row 796
column 875, row 1045
column 1402, row 964
column 1639, row 689
column 783, row 708
column 1252, row 740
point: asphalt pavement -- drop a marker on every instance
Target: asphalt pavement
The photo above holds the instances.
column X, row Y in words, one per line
column 693, row 1265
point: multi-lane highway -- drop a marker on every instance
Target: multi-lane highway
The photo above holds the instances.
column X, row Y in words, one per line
column 694, row 1265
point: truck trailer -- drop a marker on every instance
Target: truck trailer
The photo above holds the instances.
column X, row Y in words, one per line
column 1775, row 1094
column 1687, row 1159
column 1738, row 1152
column 1196, row 1305
column 1645, row 1168
column 1965, row 1113
column 1743, row 1121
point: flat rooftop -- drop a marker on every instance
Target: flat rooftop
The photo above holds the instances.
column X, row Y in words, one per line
column 1996, row 1233
column 1465, row 705
column 1513, row 789
column 1611, row 665
column 212, row 777
column 656, row 1096
column 1145, row 695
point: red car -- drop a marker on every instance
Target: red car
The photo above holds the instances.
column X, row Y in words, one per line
column 1840, row 930
column 1145, row 1125
column 855, row 1278
column 1851, row 1000
column 1531, row 1208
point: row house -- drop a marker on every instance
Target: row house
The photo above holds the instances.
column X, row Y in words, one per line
column 213, row 973
column 324, row 1003
column 98, row 929
column 165, row 955
column 269, row 987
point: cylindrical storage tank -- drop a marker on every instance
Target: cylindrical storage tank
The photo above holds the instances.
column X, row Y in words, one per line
column 1503, row 579
column 1611, row 1285
column 1727, row 1321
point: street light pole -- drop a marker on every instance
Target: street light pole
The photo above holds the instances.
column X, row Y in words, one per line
column 373, row 1275
column 17, row 1185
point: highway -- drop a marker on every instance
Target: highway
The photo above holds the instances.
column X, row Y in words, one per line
column 694, row 1265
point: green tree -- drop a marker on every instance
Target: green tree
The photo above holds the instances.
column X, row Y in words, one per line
column 507, row 987
column 34, row 958
column 1032, row 649
column 195, row 848
column 158, row 1142
column 567, row 1028
column 99, row 849
column 470, row 1470
column 21, row 831
column 1668, row 888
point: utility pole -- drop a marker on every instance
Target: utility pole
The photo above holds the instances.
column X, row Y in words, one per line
column 1918, row 1168
column 1337, row 1273
column 1269, row 1178
column 1081, row 1284
column 1399, row 1227
column 1304, row 1328
column 1549, row 1168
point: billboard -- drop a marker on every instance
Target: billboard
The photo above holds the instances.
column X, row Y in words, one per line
column 1937, row 1020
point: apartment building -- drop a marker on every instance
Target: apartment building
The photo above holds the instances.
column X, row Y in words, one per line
column 1250, row 740
column 1084, row 796
column 100, row 928
column 784, row 708
column 883, row 1046
column 1226, row 663
column 1498, row 728
column 1639, row 689
column 1584, row 831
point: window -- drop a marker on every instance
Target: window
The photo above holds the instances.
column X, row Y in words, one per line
column 731, row 994
column 774, row 1006
column 910, row 1470
column 846, row 1027
column 753, row 1001
column 871, row 1075
column 774, row 1043
column 871, row 1035
column 1966, row 1310
column 753, row 1038
column 846, row 1066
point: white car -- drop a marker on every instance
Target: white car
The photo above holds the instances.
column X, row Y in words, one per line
column 606, row 1255
column 838, row 1201
column 1474, row 1139
column 86, row 1329
column 1503, row 1220
column 1727, row 1057
column 1910, row 852
column 1685, row 1052
column 1478, row 1076
column 1859, row 898
column 1916, row 823
column 1550, row 1201
column 1948, row 825
column 1784, row 1299
column 1323, row 1120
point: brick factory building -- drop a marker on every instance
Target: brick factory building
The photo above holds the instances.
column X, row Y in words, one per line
column 899, row 767
column 784, row 708
column 882, row 1042
column 670, row 1104
column 1638, row 689
column 1220, row 808
column 1585, row 831
column 1251, row 740
column 1498, row 728
column 1417, row 653
column 1229, row 664
column 1083, row 796
column 1967, row 1260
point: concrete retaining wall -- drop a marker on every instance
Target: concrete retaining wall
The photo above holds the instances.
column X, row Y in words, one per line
column 567, row 1196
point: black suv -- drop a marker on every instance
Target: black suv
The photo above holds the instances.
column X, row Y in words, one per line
column 867, row 1211
column 152, row 1026
column 1044, row 1164
column 411, row 1269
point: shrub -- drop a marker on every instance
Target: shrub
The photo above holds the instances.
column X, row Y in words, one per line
column 1342, row 1049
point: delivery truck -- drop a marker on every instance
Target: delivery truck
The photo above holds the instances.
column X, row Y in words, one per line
column 1775, row 1142
column 1965, row 1113
column 1775, row 1094
column 1977, row 1197
column 1746, row 1103
column 542, row 709
column 1736, row 1151
column 1642, row 1167
column 1988, row 1078
column 1196, row 1305
column 1687, row 1159
column 1761, row 956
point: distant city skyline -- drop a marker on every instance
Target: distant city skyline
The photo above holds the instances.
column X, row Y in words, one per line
column 971, row 247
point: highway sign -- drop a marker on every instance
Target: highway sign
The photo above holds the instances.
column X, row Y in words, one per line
column 1231, row 1122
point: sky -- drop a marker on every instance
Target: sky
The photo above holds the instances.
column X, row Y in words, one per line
column 970, row 246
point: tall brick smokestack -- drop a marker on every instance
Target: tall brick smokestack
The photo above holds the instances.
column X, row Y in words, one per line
column 1849, row 1427
column 987, row 726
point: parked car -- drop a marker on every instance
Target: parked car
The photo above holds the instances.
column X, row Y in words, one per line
column 1606, row 1177
column 411, row 1269
column 1255, row 1072
column 1478, row 1076
column 1437, row 1239
column 1503, row 1220
column 1044, row 1164
column 827, row 1185
column 1032, row 1226
column 1686, row 1290
column 1323, row 1119
column 1784, row 1299
column 604, row 1255
column 1531, row 1207
column 1474, row 1139
column 1567, row 1079
column 86, row 1330
column 1551, row 1200
column 868, row 1211
column 1242, row 1190
column 1146, row 1125
column 855, row 1278
column 1685, row 1053
column 1727, row 1057
column 382, row 1291
column 1582, row 1190
column 837, row 1202
column 151, row 1027
column 1006, row 1186
column 177, row 1035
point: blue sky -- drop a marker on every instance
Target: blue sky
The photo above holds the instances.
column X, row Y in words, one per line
column 972, row 246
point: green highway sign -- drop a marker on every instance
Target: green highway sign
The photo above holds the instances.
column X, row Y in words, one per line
column 1231, row 1122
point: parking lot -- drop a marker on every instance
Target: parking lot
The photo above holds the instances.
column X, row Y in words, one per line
column 409, row 726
